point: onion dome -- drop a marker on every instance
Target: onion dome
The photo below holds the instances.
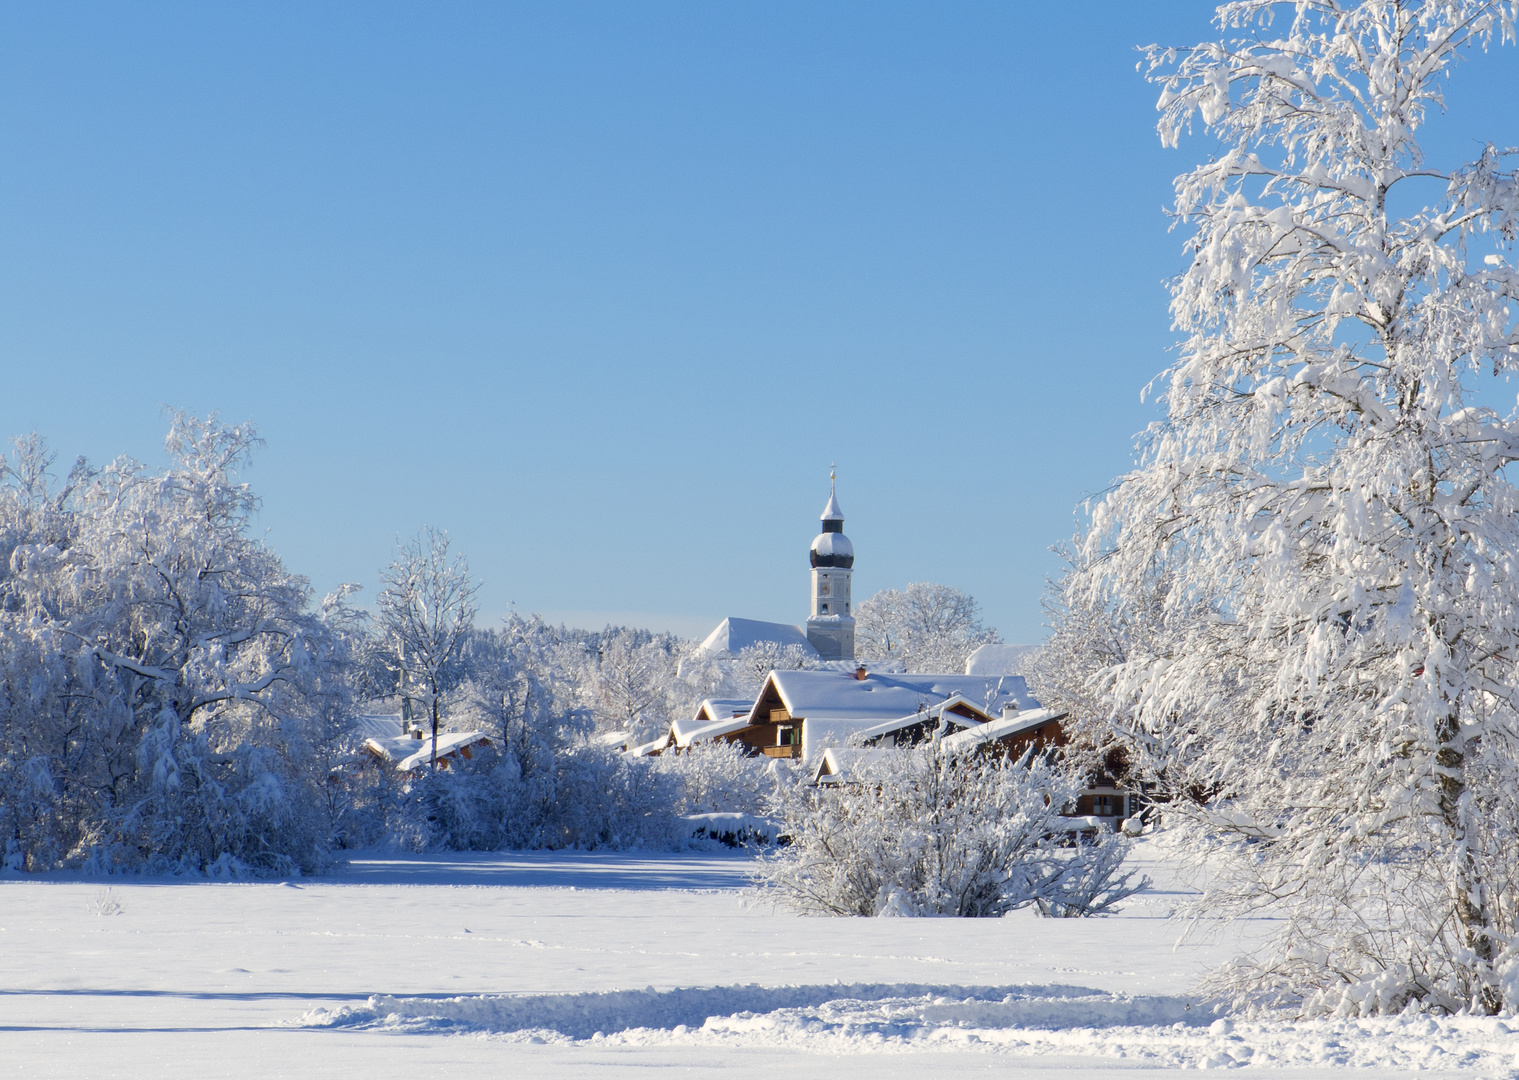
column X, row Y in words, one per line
column 832, row 547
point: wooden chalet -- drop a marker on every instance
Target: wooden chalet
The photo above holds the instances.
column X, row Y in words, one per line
column 799, row 714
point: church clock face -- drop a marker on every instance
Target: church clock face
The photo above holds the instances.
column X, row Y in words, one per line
column 825, row 585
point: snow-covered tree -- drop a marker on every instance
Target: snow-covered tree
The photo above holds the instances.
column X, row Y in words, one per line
column 427, row 612
column 1328, row 499
column 741, row 675
column 631, row 677
column 160, row 670
column 1090, row 635
column 925, row 627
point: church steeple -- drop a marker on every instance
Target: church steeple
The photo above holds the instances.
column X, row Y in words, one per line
column 830, row 626
column 833, row 517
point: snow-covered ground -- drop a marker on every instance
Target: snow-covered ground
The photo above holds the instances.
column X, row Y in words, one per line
column 569, row 964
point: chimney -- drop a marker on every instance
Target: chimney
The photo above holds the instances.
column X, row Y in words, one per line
column 1009, row 709
column 860, row 673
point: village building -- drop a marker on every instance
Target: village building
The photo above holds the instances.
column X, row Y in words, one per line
column 733, row 635
column 408, row 752
column 1010, row 736
column 845, row 721
column 798, row 714
column 829, row 633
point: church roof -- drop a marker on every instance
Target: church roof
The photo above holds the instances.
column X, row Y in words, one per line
column 733, row 634
column 998, row 659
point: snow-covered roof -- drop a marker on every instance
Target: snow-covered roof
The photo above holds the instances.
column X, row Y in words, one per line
column 998, row 659
column 686, row 732
column 654, row 746
column 933, row 714
column 1006, row 727
column 833, row 544
column 734, row 634
column 722, row 708
column 378, row 725
column 831, row 512
column 622, row 740
column 842, row 764
column 829, row 695
column 406, row 753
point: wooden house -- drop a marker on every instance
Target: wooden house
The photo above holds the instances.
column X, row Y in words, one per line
column 1010, row 735
column 799, row 714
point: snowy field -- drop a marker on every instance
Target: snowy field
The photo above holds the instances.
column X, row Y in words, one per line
column 566, row 964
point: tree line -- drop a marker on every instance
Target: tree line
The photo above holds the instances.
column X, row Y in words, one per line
column 174, row 699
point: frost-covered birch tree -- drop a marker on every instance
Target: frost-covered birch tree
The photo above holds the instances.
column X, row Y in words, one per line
column 427, row 612
column 1329, row 490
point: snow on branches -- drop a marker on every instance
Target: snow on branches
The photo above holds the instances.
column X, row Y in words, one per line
column 159, row 674
column 927, row 833
column 924, row 627
column 1322, row 526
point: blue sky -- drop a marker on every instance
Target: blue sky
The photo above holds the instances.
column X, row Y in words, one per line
column 603, row 288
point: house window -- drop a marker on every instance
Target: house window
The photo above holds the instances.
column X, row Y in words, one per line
column 786, row 736
column 1105, row 807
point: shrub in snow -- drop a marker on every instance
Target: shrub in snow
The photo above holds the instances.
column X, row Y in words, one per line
column 1322, row 532
column 719, row 777
column 929, row 834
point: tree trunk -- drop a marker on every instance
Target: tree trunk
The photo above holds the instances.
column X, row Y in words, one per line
column 434, row 687
column 1467, row 888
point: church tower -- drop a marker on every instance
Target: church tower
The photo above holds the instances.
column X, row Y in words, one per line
column 830, row 626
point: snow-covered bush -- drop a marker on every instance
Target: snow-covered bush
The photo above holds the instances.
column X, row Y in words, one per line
column 929, row 834
column 720, row 777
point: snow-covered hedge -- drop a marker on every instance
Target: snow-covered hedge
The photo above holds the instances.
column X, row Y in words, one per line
column 581, row 794
column 585, row 796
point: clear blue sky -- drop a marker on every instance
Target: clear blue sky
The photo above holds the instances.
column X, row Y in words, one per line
column 603, row 288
